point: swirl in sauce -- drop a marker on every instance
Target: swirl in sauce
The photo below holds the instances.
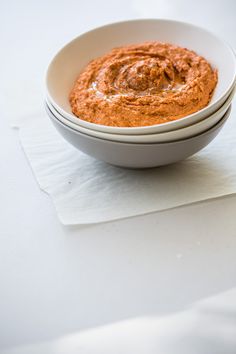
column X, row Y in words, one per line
column 143, row 84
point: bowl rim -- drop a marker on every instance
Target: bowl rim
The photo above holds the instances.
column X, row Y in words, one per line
column 110, row 136
column 213, row 128
column 118, row 130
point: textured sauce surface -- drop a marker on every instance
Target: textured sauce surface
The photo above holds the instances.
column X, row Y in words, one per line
column 143, row 84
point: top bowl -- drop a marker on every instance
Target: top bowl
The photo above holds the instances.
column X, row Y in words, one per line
column 68, row 63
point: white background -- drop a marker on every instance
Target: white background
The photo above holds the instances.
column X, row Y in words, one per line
column 55, row 279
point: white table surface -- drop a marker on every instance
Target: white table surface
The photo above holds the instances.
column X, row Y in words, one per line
column 54, row 279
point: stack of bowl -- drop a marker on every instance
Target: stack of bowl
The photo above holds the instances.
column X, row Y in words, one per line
column 148, row 146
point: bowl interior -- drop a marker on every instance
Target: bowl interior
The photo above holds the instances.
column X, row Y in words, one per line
column 69, row 62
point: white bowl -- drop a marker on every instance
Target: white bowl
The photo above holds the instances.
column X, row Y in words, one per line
column 68, row 63
column 173, row 135
column 137, row 155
